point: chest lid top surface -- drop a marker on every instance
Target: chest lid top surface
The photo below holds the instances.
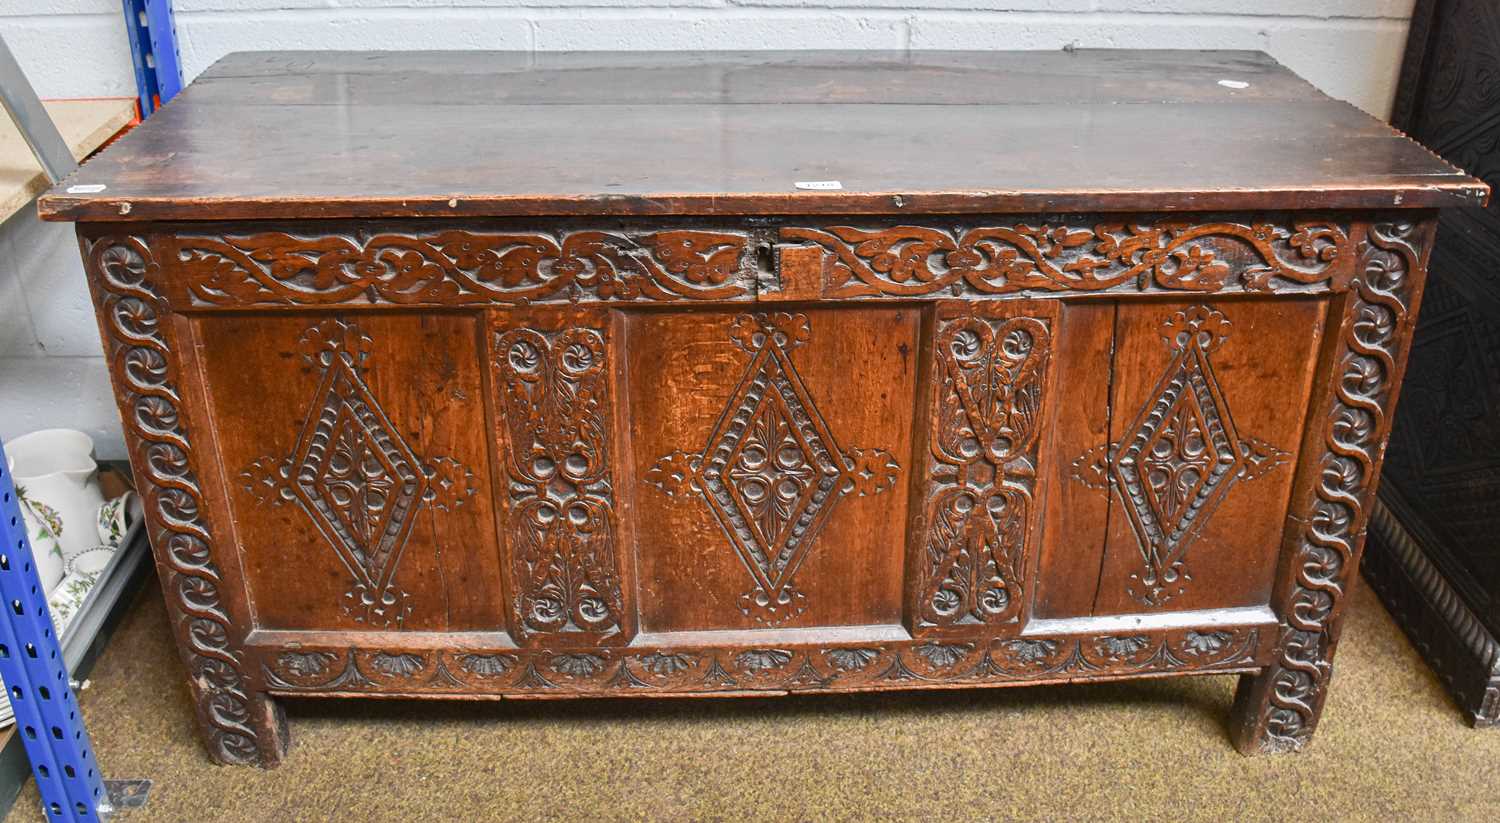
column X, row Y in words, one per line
column 291, row 135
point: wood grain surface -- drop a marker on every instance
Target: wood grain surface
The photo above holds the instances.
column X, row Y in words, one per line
column 314, row 134
column 714, row 453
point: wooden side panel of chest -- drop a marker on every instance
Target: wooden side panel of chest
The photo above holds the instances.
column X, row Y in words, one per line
column 485, row 460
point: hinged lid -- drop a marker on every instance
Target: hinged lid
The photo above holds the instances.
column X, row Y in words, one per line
column 354, row 134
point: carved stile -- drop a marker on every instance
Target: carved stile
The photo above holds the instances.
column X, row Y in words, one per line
column 1278, row 709
column 238, row 726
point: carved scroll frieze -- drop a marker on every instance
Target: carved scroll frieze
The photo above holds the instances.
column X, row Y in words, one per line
column 988, row 382
column 554, row 402
column 1032, row 255
column 772, row 471
column 1085, row 254
column 909, row 664
column 356, row 477
column 461, row 267
column 1179, row 458
column 146, row 372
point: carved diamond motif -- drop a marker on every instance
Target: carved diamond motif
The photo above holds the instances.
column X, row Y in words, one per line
column 1181, row 450
column 772, row 471
column 356, row 477
column 1180, row 459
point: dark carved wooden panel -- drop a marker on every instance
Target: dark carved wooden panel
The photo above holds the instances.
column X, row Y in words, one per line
column 366, row 456
column 1097, row 253
column 455, row 266
column 355, row 476
column 1178, row 458
column 1438, row 563
column 784, row 475
column 772, row 471
column 1197, row 431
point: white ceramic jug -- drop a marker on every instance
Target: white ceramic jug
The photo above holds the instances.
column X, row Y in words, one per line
column 54, row 470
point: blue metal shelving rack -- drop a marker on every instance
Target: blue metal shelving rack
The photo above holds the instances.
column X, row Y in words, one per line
column 31, row 661
column 153, row 51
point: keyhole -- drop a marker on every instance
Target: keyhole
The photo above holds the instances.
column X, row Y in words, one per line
column 764, row 259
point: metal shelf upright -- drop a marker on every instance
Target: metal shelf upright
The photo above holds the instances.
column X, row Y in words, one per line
column 153, row 51
column 36, row 677
column 32, row 661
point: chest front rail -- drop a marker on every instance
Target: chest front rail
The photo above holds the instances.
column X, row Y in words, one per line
column 562, row 458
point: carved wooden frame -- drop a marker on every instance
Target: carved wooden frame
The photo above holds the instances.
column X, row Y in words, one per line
column 1374, row 274
column 146, row 347
column 1278, row 709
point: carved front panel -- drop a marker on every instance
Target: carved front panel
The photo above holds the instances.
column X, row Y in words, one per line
column 1177, row 502
column 357, row 470
column 356, row 476
column 770, row 455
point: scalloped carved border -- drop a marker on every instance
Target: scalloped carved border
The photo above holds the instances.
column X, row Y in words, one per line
column 213, row 267
column 705, row 670
column 145, row 373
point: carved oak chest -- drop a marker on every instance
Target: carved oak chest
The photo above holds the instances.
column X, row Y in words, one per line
column 533, row 376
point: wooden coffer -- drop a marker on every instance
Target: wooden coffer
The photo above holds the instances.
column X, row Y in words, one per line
column 761, row 451
column 864, row 465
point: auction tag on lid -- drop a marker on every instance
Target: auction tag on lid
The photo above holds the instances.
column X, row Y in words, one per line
column 91, row 188
column 819, row 185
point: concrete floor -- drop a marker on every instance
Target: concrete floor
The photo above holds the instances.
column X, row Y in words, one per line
column 1391, row 747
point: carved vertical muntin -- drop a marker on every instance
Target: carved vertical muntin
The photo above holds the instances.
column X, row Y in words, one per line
column 146, row 346
column 554, row 383
column 986, row 380
column 1362, row 364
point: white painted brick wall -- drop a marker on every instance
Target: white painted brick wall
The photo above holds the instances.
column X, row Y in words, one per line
column 51, row 371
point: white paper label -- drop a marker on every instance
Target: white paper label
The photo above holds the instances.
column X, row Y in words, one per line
column 819, row 185
column 1234, row 84
column 91, row 188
